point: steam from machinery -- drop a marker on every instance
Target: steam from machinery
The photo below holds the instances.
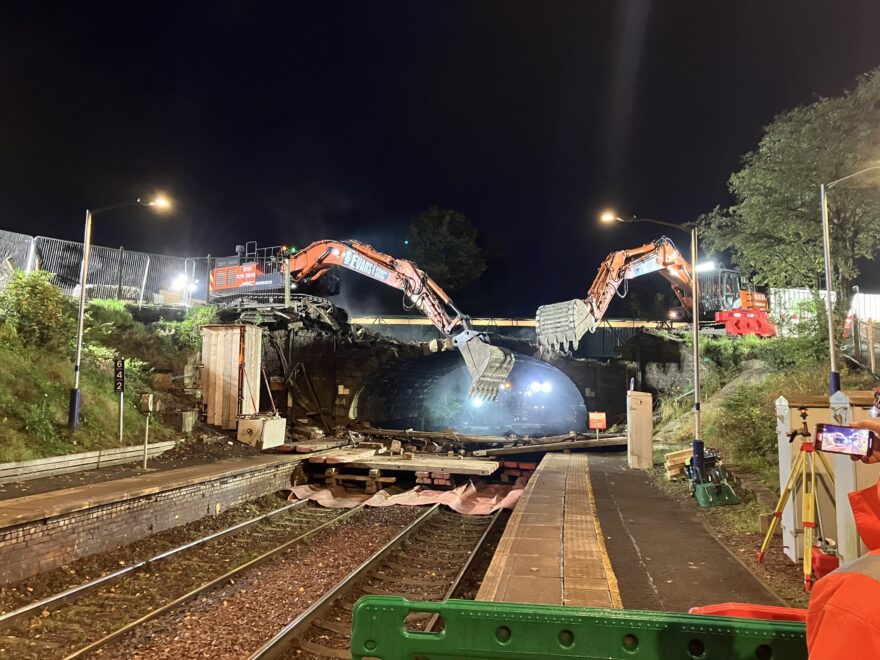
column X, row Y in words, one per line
column 431, row 394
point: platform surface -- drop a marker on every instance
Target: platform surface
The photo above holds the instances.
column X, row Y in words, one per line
column 57, row 502
column 552, row 551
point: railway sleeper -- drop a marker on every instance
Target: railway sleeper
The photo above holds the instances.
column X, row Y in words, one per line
column 322, row 651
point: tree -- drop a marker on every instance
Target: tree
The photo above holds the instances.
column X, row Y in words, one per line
column 444, row 244
column 774, row 229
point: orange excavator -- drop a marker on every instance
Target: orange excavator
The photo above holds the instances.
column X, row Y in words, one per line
column 260, row 276
column 742, row 311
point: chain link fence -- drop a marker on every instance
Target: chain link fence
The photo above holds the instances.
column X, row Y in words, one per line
column 140, row 277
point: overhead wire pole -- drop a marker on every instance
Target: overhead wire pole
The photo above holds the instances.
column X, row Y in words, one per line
column 698, row 444
column 695, row 327
column 75, row 398
column 834, row 374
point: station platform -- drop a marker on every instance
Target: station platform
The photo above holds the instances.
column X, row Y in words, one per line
column 68, row 500
column 552, row 550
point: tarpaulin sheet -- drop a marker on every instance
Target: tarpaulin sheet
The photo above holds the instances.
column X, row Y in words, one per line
column 470, row 499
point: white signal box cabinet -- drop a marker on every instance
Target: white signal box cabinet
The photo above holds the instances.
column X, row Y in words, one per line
column 231, row 363
column 639, row 430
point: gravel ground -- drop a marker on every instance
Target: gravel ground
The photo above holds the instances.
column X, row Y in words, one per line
column 40, row 586
column 233, row 621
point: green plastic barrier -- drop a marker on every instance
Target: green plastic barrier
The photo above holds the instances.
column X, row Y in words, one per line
column 482, row 630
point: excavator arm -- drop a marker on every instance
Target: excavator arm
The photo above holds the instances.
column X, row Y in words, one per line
column 488, row 365
column 560, row 326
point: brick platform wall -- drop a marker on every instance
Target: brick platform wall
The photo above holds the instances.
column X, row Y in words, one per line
column 45, row 544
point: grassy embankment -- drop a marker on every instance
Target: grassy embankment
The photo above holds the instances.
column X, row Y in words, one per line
column 744, row 377
column 37, row 332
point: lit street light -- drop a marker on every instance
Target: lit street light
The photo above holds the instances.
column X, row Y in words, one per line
column 609, row 216
column 834, row 376
column 160, row 203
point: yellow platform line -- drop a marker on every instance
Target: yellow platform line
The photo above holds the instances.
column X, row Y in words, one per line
column 614, row 590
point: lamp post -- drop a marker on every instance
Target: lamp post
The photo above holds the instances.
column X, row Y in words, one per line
column 695, row 324
column 834, row 375
column 74, row 403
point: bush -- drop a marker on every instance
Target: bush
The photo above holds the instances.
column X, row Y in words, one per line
column 36, row 310
column 186, row 333
column 38, row 421
column 730, row 352
column 107, row 311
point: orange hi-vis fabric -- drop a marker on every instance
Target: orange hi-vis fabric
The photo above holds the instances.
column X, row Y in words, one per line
column 866, row 511
column 844, row 616
column 843, row 620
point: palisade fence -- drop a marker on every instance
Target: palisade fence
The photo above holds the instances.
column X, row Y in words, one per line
column 123, row 274
column 162, row 280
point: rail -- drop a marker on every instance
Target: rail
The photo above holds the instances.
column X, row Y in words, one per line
column 282, row 644
column 15, row 623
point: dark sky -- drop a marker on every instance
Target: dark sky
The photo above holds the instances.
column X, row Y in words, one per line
column 291, row 122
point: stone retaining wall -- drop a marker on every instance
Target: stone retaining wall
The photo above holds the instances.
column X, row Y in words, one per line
column 44, row 544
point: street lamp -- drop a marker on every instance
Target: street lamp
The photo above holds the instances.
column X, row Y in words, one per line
column 610, row 216
column 834, row 376
column 160, row 203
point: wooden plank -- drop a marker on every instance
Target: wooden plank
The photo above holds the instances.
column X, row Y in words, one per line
column 433, row 464
column 321, row 445
column 864, row 398
column 619, row 441
column 348, row 456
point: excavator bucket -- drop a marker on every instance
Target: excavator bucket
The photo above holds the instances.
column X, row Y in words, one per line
column 560, row 326
column 488, row 365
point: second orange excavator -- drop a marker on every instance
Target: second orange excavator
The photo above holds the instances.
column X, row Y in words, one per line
column 741, row 310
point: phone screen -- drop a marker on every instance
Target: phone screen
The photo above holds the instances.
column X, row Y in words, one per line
column 842, row 439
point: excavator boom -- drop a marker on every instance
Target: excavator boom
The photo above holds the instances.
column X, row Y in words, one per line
column 488, row 365
column 560, row 326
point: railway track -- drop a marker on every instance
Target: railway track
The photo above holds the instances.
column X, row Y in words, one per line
column 429, row 560
column 78, row 621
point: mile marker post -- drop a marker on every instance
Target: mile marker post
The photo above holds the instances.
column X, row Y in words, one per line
column 119, row 387
column 147, row 407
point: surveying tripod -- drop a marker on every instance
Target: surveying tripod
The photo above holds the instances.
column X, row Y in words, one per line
column 803, row 469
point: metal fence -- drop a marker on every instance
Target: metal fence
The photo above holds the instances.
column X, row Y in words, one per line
column 113, row 273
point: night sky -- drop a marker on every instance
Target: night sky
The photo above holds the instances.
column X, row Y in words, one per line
column 292, row 122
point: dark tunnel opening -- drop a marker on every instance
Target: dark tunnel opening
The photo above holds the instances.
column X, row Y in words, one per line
column 430, row 393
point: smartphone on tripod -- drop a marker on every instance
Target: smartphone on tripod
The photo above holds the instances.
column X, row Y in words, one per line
column 843, row 440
